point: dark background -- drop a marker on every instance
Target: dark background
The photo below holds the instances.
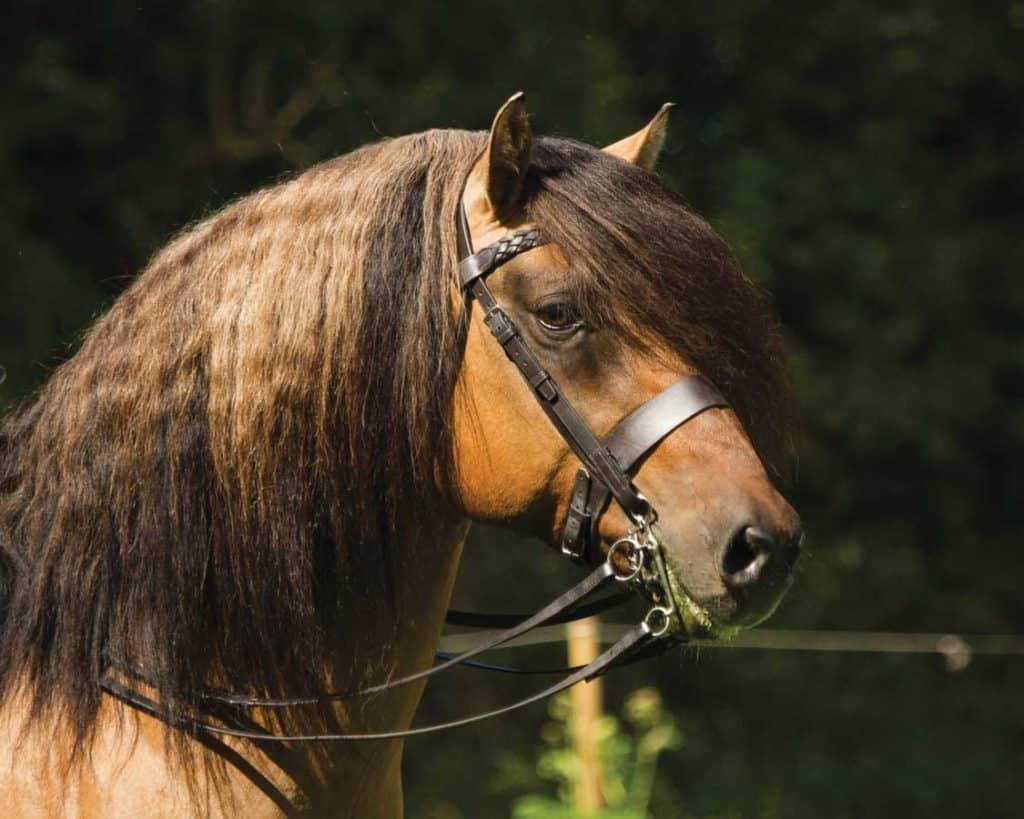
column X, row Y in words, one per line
column 866, row 163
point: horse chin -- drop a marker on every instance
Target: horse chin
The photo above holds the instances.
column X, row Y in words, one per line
column 696, row 620
column 713, row 619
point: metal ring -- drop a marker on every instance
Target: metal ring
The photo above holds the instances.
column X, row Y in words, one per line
column 656, row 627
column 634, row 557
column 646, row 539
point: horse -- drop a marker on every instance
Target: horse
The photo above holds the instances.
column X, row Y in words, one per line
column 258, row 470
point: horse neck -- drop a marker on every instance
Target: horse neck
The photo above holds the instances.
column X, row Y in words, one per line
column 410, row 627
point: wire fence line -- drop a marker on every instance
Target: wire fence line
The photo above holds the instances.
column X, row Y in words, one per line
column 956, row 649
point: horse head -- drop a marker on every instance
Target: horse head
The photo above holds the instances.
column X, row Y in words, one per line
column 255, row 474
column 631, row 293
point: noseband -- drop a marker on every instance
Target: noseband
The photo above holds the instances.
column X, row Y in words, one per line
column 635, row 560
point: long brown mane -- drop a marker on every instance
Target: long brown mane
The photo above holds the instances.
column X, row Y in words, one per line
column 220, row 476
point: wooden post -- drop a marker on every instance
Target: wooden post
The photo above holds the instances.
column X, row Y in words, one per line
column 586, row 712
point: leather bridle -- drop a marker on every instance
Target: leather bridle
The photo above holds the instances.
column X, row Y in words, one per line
column 636, row 560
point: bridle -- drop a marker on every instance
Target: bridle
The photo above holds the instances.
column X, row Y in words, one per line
column 635, row 560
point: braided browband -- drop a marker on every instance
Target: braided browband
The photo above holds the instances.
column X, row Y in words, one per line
column 480, row 264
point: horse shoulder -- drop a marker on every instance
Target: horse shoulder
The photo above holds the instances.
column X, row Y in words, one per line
column 126, row 772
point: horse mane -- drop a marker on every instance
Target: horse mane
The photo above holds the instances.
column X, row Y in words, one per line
column 221, row 472
column 220, row 475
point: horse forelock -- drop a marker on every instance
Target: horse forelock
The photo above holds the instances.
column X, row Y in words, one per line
column 646, row 266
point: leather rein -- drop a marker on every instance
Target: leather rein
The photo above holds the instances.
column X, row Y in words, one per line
column 636, row 561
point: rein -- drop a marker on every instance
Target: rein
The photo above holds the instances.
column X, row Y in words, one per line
column 636, row 560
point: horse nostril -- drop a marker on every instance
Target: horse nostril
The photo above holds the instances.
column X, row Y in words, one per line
column 745, row 556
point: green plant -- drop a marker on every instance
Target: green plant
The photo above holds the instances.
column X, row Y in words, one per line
column 628, row 756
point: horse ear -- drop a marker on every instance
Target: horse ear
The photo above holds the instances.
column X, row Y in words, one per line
column 644, row 147
column 499, row 174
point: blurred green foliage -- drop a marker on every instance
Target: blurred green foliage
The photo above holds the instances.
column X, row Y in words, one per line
column 628, row 759
column 864, row 160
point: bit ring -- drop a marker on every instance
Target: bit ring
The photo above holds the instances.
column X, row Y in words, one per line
column 632, row 552
column 658, row 620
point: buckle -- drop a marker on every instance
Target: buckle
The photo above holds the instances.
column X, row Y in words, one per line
column 577, row 519
column 500, row 324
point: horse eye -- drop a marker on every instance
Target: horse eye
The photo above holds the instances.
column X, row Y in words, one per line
column 559, row 317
